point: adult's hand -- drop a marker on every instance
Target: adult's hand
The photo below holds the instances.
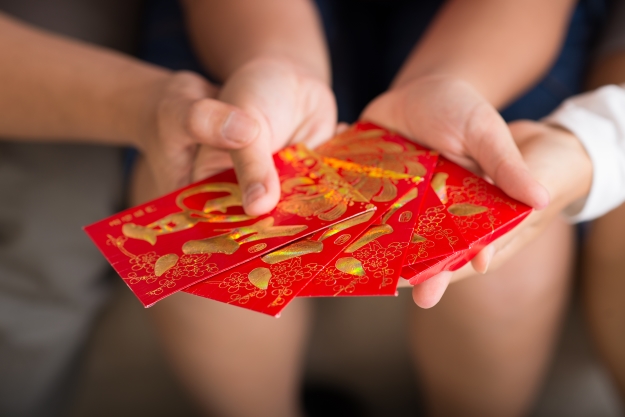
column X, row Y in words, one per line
column 289, row 105
column 183, row 115
column 558, row 161
column 450, row 116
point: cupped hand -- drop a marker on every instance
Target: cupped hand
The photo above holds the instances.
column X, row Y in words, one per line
column 450, row 116
column 289, row 106
column 183, row 115
column 557, row 160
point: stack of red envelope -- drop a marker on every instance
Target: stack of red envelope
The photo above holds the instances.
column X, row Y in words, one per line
column 355, row 214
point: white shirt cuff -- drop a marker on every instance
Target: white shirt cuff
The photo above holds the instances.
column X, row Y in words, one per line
column 598, row 120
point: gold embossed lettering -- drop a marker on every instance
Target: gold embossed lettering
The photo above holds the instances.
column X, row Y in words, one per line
column 230, row 242
column 260, row 277
column 466, row 209
column 346, row 224
column 409, row 196
column 343, row 239
column 301, row 248
column 439, row 185
column 370, row 235
column 405, row 216
column 351, row 266
column 165, row 263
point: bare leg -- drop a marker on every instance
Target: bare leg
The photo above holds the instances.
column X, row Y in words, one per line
column 483, row 350
column 604, row 291
column 233, row 361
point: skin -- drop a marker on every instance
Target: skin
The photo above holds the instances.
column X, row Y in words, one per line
column 275, row 67
column 276, row 51
column 93, row 95
column 603, row 276
column 444, row 97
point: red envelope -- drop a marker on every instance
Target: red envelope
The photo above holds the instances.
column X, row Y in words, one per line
column 185, row 237
column 480, row 211
column 372, row 264
column 268, row 284
column 435, row 239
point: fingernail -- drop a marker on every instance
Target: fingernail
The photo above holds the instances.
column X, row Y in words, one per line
column 239, row 128
column 253, row 193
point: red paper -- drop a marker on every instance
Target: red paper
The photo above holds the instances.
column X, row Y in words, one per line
column 480, row 211
column 436, row 238
column 267, row 286
column 372, row 265
column 168, row 244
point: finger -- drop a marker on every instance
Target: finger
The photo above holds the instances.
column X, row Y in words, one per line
column 429, row 293
column 214, row 123
column 257, row 177
column 482, row 260
column 490, row 142
column 341, row 127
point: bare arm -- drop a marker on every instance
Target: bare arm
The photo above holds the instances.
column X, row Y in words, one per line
column 273, row 60
column 54, row 87
column 500, row 47
column 228, row 34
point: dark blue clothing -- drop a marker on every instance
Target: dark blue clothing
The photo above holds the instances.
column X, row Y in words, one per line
column 370, row 39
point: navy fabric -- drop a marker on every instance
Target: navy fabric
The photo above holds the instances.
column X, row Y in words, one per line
column 369, row 40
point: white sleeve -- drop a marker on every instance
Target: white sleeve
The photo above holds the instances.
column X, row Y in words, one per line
column 597, row 118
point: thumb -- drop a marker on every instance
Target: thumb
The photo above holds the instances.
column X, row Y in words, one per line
column 257, row 177
column 490, row 143
column 219, row 125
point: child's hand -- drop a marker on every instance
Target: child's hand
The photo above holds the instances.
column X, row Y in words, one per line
column 289, row 106
column 557, row 159
column 185, row 114
column 448, row 115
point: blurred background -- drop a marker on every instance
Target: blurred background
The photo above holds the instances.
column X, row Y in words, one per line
column 124, row 373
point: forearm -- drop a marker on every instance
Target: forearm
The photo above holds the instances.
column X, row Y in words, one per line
column 56, row 88
column 501, row 47
column 228, row 34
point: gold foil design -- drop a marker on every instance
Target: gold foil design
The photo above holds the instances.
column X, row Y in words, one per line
column 221, row 204
column 230, row 242
column 417, row 239
column 370, row 235
column 218, row 244
column 343, row 239
column 439, row 185
column 405, row 216
column 188, row 217
column 409, row 196
column 301, row 248
column 466, row 209
column 370, row 171
column 165, row 263
column 351, row 266
column 389, row 192
column 260, row 277
column 320, row 193
column 257, row 248
column 346, row 224
column 134, row 231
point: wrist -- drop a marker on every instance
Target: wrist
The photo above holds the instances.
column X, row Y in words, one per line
column 289, row 65
column 137, row 105
column 579, row 170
